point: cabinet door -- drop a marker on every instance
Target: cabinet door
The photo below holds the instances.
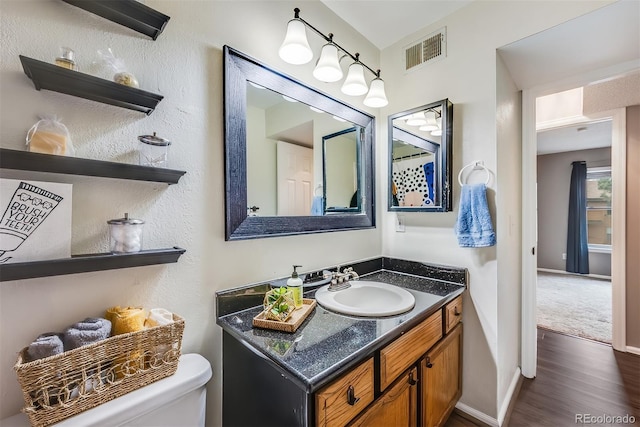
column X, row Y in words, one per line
column 441, row 379
column 397, row 407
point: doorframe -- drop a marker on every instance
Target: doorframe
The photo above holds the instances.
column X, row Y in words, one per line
column 529, row 211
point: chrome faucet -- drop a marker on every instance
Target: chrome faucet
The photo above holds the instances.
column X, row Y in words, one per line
column 340, row 281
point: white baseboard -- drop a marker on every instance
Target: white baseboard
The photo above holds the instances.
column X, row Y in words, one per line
column 480, row 416
column 507, row 399
column 634, row 350
column 595, row 276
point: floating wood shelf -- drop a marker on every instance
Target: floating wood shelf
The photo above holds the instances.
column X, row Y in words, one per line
column 25, row 160
column 87, row 263
column 130, row 13
column 58, row 79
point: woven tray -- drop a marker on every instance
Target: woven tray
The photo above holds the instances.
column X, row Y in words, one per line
column 60, row 386
column 291, row 325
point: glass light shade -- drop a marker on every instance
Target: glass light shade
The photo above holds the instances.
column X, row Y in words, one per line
column 315, row 110
column 295, row 47
column 328, row 66
column 438, row 132
column 355, row 84
column 416, row 119
column 431, row 122
column 288, row 98
column 376, row 98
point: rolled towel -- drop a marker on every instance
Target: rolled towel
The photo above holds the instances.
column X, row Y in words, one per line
column 89, row 331
column 45, row 345
column 158, row 317
column 125, row 320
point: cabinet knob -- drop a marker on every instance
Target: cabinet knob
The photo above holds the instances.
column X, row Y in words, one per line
column 429, row 364
column 351, row 396
column 456, row 312
column 412, row 381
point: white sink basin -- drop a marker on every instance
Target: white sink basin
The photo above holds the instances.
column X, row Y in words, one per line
column 366, row 298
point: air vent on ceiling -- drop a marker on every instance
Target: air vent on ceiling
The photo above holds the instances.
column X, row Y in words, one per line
column 432, row 48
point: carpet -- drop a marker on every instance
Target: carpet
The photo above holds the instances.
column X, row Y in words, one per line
column 575, row 305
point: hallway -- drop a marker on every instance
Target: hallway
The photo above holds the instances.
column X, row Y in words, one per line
column 575, row 377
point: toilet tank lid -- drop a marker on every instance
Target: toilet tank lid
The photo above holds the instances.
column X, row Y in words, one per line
column 193, row 371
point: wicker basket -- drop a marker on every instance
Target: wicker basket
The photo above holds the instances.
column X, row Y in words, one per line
column 60, row 386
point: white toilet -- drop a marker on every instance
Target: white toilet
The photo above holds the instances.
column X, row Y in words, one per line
column 178, row 400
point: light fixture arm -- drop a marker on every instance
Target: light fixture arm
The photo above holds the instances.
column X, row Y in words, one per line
column 329, row 39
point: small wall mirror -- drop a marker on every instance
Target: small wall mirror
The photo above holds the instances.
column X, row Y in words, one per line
column 297, row 161
column 420, row 158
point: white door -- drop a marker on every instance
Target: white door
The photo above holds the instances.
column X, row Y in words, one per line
column 295, row 177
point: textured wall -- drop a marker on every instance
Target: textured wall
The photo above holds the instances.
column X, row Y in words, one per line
column 184, row 65
column 468, row 76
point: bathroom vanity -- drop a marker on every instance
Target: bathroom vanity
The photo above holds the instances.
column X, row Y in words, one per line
column 340, row 370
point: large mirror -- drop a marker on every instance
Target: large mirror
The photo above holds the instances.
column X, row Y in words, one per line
column 292, row 153
column 420, row 159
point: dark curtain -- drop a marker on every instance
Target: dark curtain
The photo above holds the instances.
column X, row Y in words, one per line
column 577, row 246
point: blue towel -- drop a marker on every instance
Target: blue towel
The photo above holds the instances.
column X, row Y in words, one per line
column 317, row 207
column 474, row 228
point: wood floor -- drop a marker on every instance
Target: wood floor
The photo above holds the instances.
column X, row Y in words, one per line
column 574, row 376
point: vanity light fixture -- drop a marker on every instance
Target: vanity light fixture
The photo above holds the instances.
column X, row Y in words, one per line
column 256, row 85
column 295, row 50
column 315, row 110
column 431, row 123
column 328, row 67
column 416, row 119
column 438, row 132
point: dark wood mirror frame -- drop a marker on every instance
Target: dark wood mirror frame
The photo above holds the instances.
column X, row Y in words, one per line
column 240, row 68
column 444, row 159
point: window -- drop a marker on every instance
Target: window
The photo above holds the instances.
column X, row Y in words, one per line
column 599, row 208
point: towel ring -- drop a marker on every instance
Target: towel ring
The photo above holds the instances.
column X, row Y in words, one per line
column 476, row 164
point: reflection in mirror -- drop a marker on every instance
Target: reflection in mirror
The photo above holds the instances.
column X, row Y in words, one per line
column 279, row 161
column 420, row 158
column 341, row 171
column 285, row 154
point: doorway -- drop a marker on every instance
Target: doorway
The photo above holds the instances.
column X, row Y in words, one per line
column 612, row 25
column 570, row 300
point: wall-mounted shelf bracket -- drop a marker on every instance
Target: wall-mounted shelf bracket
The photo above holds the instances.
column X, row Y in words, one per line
column 130, row 13
column 58, row 79
column 87, row 263
column 27, row 161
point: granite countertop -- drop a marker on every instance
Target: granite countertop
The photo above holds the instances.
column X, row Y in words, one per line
column 327, row 342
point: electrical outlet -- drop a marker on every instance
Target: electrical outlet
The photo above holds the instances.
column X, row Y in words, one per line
column 564, row 256
column 399, row 224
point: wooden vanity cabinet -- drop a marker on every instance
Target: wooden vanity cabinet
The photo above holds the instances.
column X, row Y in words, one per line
column 397, row 407
column 441, row 379
column 419, row 379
